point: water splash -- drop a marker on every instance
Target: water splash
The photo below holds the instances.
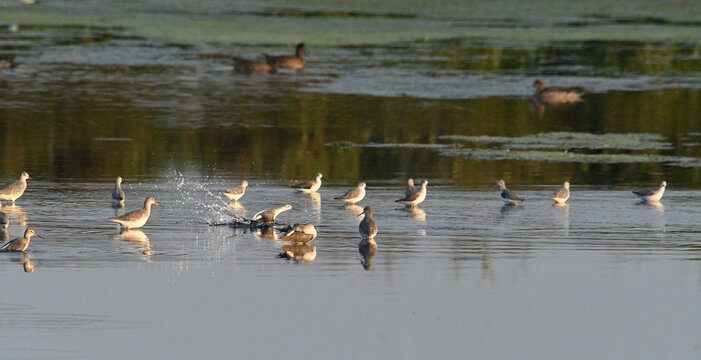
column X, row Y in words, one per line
column 207, row 204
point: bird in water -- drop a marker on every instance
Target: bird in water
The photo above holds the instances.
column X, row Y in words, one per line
column 117, row 193
column 354, row 195
column 367, row 227
column 310, row 186
column 300, row 234
column 253, row 66
column 417, row 197
column 268, row 216
column 410, row 188
column 295, row 62
column 136, row 218
column 509, row 197
column 562, row 194
column 20, row 244
column 236, row 192
column 554, row 96
column 15, row 188
column 652, row 195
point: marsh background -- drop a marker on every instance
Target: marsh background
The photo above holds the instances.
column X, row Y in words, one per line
column 146, row 90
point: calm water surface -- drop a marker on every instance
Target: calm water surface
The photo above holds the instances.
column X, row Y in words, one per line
column 149, row 95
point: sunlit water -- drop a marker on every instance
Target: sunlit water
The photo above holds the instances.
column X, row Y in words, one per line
column 146, row 91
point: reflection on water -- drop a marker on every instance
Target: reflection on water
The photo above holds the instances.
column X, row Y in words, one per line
column 136, row 237
column 299, row 252
column 267, row 232
column 16, row 215
column 416, row 212
column 354, row 209
column 367, row 249
column 237, row 206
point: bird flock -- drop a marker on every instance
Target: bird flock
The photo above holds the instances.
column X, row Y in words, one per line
column 299, row 234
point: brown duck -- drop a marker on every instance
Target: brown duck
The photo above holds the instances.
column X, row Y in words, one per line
column 295, row 62
column 553, row 96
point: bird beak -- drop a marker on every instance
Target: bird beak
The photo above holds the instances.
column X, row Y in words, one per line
column 157, row 203
column 41, row 237
column 29, row 177
column 493, row 184
column 362, row 213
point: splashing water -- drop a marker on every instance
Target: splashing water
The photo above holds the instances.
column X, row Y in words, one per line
column 208, row 205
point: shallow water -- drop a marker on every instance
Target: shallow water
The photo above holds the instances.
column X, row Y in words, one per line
column 145, row 90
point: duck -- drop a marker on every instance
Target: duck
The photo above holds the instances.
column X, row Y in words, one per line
column 554, row 96
column 253, row 66
column 295, row 62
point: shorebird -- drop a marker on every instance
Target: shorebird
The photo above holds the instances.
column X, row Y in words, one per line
column 308, row 186
column 300, row 233
column 555, row 95
column 368, row 226
column 354, row 195
column 118, row 193
column 15, row 188
column 268, row 216
column 304, row 252
column 652, row 195
column 20, row 244
column 236, row 192
column 562, row 194
column 295, row 62
column 254, row 66
column 416, row 197
column 136, row 218
column 410, row 188
column 367, row 249
column 4, row 220
column 508, row 196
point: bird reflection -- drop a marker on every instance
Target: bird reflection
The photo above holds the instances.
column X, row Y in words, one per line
column 561, row 214
column 655, row 205
column 237, row 206
column 298, row 252
column 16, row 213
column 135, row 237
column 353, row 208
column 4, row 236
column 315, row 199
column 267, row 232
column 367, row 249
column 416, row 213
column 27, row 265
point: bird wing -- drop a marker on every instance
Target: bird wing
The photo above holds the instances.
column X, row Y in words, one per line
column 350, row 194
column 117, row 193
column 7, row 245
column 413, row 196
column 508, row 194
column 11, row 187
column 560, row 193
column 130, row 216
column 304, row 185
column 235, row 190
column 646, row 192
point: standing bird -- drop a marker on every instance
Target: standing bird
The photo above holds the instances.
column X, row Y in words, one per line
column 652, row 195
column 562, row 194
column 416, row 197
column 553, row 96
column 295, row 62
column 509, row 197
column 300, row 234
column 236, row 192
column 308, row 186
column 268, row 216
column 118, row 193
column 15, row 188
column 410, row 188
column 20, row 244
column 354, row 195
column 136, row 218
column 368, row 226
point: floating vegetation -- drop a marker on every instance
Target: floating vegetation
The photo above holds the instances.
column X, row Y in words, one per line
column 572, row 140
column 347, row 144
column 562, row 156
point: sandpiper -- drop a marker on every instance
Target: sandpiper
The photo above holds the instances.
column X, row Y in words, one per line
column 508, row 196
column 555, row 95
column 367, row 227
column 295, row 62
column 300, row 233
column 136, row 218
column 410, row 188
column 562, row 194
column 268, row 216
column 304, row 252
column 308, row 186
column 416, row 197
column 354, row 195
column 15, row 188
column 652, row 195
column 118, row 193
column 19, row 244
column 236, row 192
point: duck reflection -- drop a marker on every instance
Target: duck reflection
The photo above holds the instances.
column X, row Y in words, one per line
column 298, row 252
column 16, row 213
column 137, row 237
column 353, row 208
column 367, row 249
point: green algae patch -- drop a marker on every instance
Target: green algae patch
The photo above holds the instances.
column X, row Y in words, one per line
column 572, row 140
column 564, row 156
